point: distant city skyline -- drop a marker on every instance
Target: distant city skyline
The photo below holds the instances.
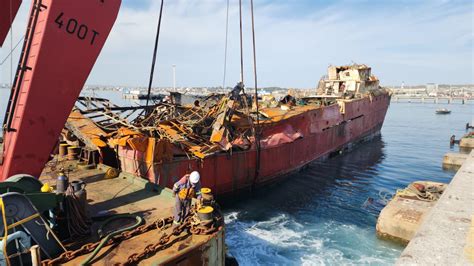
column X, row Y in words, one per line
column 417, row 42
column 6, row 86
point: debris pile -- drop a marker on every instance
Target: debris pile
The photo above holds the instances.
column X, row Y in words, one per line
column 221, row 123
column 217, row 123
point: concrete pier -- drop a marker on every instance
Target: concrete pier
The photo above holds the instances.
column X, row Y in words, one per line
column 454, row 159
column 466, row 143
column 446, row 236
column 430, row 99
column 401, row 218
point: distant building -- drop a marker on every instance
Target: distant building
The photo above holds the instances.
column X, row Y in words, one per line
column 431, row 87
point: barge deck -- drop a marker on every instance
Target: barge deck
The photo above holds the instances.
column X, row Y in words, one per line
column 126, row 194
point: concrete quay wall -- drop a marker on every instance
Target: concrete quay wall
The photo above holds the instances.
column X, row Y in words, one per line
column 446, row 236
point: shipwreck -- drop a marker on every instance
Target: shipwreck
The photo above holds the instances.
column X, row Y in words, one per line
column 223, row 136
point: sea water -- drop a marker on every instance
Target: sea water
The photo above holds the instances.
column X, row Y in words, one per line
column 322, row 216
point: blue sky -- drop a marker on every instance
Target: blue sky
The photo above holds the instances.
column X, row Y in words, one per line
column 409, row 40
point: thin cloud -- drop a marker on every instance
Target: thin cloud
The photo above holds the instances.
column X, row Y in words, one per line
column 412, row 41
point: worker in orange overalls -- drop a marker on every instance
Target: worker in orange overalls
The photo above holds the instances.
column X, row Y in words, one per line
column 188, row 187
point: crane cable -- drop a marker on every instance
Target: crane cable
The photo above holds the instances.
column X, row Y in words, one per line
column 247, row 109
column 11, row 43
column 241, row 45
column 257, row 137
column 225, row 49
column 254, row 59
column 12, row 50
column 154, row 53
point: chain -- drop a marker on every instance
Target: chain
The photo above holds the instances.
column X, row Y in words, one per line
column 88, row 248
column 195, row 227
column 153, row 248
column 191, row 223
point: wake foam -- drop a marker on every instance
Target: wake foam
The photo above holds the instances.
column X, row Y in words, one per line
column 281, row 240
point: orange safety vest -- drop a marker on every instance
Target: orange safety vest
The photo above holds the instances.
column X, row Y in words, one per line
column 186, row 193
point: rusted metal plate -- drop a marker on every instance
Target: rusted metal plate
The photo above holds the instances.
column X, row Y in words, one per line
column 86, row 130
column 276, row 114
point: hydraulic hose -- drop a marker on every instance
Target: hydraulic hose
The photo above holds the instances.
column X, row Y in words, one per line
column 139, row 221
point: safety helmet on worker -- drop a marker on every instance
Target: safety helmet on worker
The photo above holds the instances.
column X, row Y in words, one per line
column 194, row 177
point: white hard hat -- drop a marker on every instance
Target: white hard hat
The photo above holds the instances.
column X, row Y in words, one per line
column 194, row 177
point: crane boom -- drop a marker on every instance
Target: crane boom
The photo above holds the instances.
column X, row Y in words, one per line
column 8, row 11
column 62, row 42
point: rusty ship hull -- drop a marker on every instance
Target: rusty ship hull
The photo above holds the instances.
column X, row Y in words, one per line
column 320, row 131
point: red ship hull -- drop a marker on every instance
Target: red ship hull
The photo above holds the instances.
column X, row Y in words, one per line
column 324, row 130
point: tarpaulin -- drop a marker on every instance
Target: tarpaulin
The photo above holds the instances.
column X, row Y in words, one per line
column 285, row 136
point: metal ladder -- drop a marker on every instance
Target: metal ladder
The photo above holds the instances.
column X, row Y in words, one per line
column 22, row 66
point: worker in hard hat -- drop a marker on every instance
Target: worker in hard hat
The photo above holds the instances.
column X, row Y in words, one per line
column 188, row 187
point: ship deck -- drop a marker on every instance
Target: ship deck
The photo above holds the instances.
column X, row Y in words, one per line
column 126, row 194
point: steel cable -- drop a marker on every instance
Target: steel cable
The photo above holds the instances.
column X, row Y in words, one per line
column 12, row 50
column 154, row 53
column 226, row 39
column 257, row 139
column 11, row 43
column 241, row 45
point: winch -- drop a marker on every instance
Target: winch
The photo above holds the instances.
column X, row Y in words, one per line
column 207, row 214
column 35, row 214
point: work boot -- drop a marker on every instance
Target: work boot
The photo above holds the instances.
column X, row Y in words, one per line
column 175, row 224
